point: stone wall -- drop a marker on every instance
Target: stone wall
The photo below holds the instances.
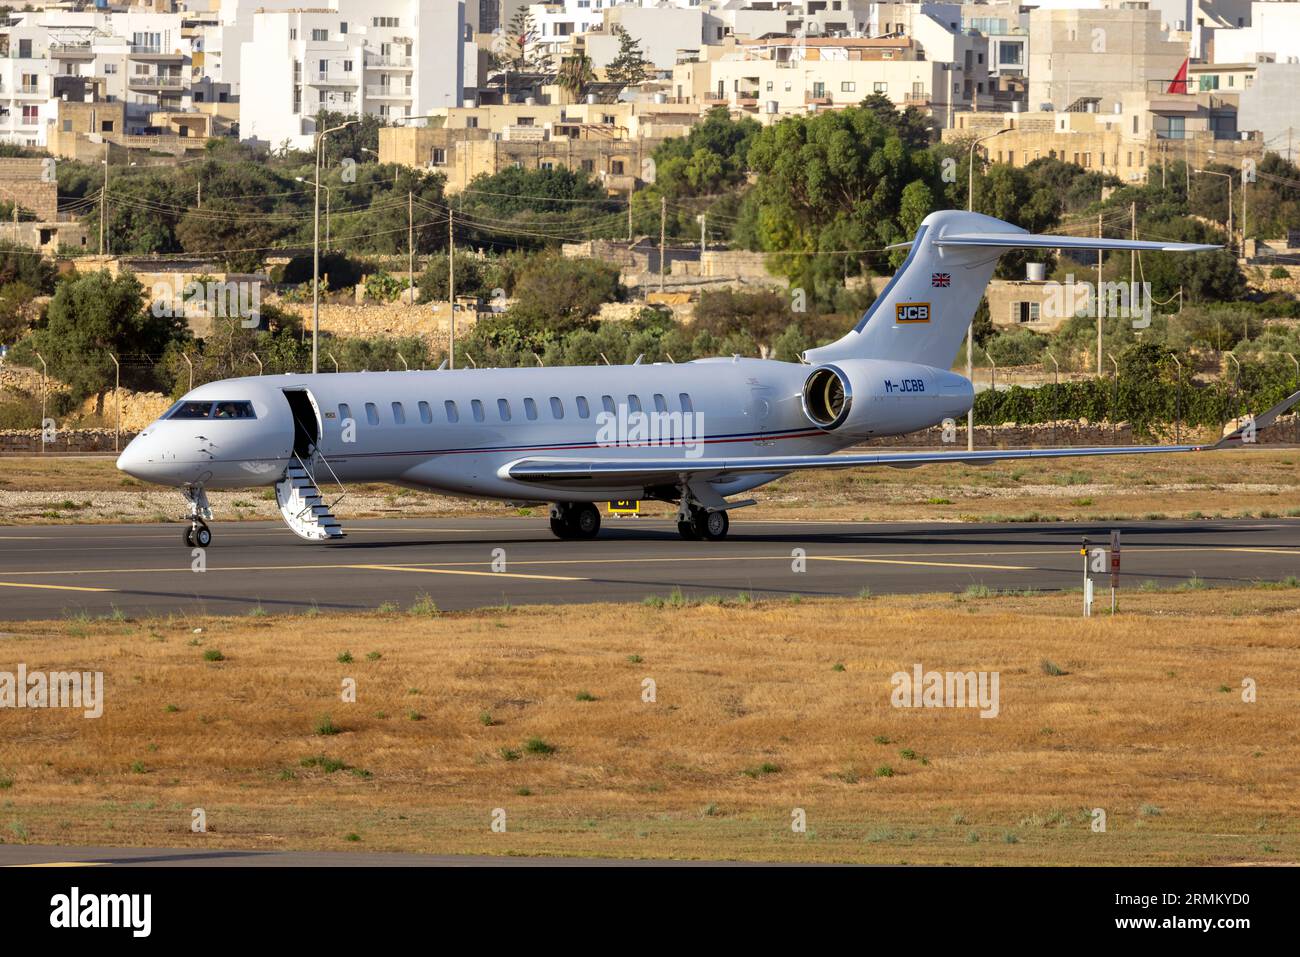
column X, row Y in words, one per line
column 346, row 320
column 28, row 441
column 138, row 409
column 30, row 180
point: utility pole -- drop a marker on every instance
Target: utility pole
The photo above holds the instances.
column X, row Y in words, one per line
column 704, row 238
column 103, row 198
column 451, row 287
column 629, row 216
column 199, row 204
column 1244, row 181
column 1132, row 256
column 1098, row 300
column 315, row 249
column 410, row 249
column 663, row 227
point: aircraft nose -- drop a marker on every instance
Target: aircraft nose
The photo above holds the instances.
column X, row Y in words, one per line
column 134, row 459
column 131, row 458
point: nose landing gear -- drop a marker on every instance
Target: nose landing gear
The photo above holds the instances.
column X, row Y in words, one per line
column 197, row 533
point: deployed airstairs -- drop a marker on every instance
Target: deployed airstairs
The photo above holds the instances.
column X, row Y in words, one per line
column 302, row 505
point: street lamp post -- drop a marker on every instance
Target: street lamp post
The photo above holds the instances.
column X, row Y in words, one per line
column 970, row 330
column 328, row 202
column 315, row 250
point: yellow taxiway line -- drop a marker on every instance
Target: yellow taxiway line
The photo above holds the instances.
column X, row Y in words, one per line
column 465, row 571
column 52, row 587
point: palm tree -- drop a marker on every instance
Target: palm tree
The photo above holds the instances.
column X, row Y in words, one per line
column 576, row 74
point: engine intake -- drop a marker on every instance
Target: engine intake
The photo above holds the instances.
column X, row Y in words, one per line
column 827, row 397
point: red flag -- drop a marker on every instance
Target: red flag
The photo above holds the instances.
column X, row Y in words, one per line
column 1180, row 80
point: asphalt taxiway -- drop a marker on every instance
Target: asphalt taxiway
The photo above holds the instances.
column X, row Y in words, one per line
column 138, row 570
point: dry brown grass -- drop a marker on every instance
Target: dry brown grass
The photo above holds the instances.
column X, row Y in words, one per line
column 1147, row 723
column 1256, row 483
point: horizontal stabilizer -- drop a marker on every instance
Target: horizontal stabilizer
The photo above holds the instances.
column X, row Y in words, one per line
column 1039, row 241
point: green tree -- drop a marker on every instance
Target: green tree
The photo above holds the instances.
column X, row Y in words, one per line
column 352, row 141
column 17, row 264
column 629, row 66
column 94, row 315
column 15, row 311
column 555, row 295
column 830, row 191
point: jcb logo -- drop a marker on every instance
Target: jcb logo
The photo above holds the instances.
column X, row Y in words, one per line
column 912, row 312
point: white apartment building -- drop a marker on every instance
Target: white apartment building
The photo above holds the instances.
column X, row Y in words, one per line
column 756, row 18
column 25, row 81
column 665, row 34
column 391, row 58
column 1007, row 29
column 785, row 76
column 1271, row 36
column 137, row 57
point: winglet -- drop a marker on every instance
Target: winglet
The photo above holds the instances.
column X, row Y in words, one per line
column 1258, row 422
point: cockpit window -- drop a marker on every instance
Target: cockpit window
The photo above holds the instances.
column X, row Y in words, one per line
column 233, row 410
column 212, row 410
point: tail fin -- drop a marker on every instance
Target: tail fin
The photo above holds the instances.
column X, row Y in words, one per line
column 922, row 315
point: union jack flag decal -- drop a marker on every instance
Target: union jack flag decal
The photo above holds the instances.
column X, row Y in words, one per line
column 941, row 280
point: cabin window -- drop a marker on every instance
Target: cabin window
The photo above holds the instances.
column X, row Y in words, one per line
column 453, row 414
column 345, row 412
column 476, row 405
column 426, row 413
column 608, row 403
column 530, row 409
column 685, row 400
column 633, row 403
column 372, row 413
column 503, row 410
column 660, row 404
column 584, row 410
column 557, row 408
column 399, row 414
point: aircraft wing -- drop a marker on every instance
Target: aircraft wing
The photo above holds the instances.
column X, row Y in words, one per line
column 604, row 472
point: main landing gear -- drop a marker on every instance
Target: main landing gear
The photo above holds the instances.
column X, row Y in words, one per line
column 197, row 533
column 703, row 524
column 575, row 520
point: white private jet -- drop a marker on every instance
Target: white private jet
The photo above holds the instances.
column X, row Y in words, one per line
column 694, row 434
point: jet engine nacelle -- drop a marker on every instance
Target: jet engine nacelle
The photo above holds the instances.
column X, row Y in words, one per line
column 883, row 397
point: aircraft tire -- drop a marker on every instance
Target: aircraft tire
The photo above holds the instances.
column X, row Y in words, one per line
column 562, row 523
column 585, row 520
column 710, row 526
